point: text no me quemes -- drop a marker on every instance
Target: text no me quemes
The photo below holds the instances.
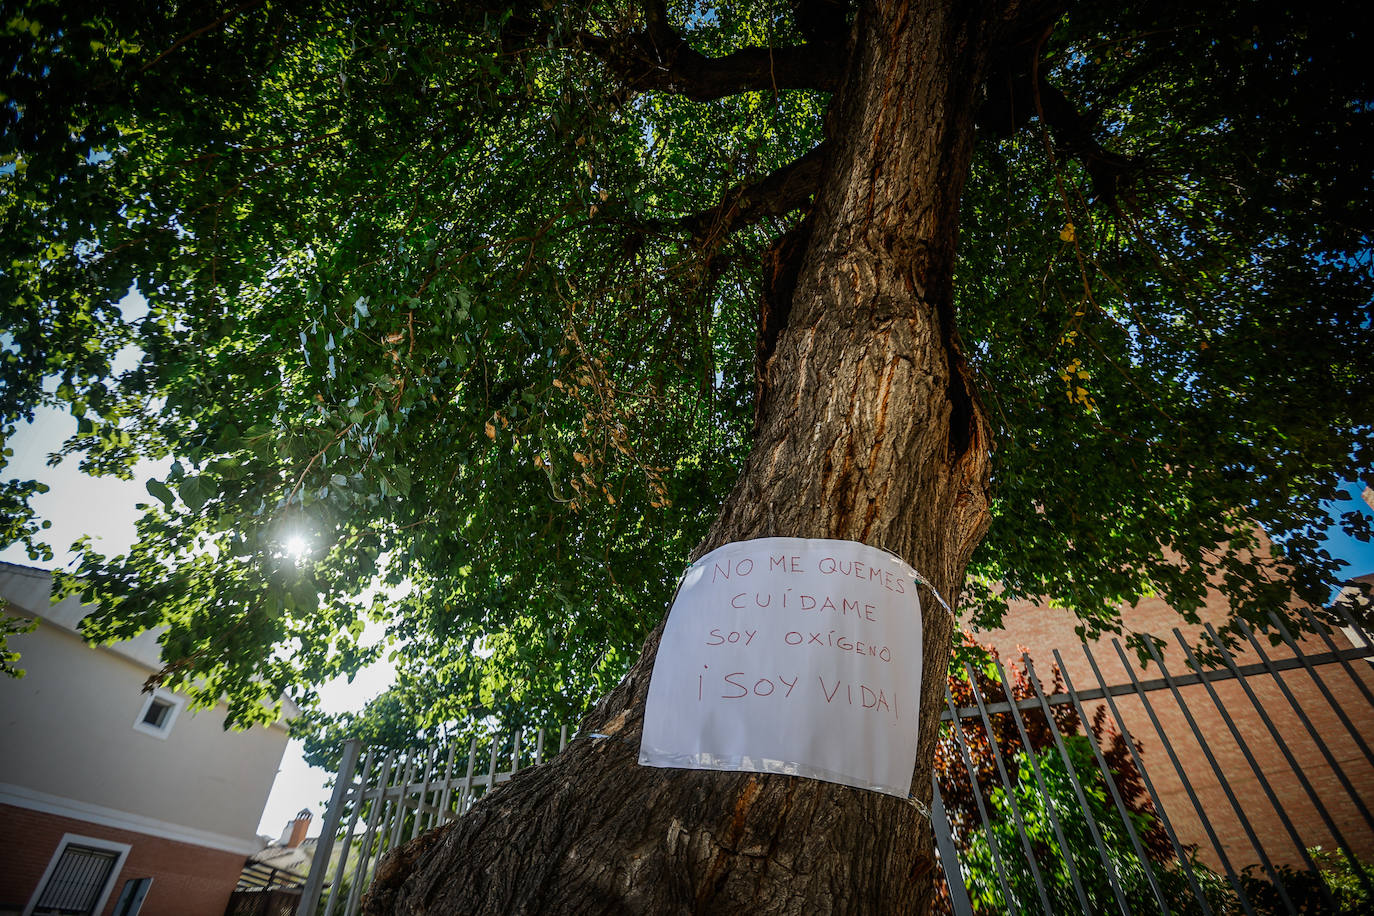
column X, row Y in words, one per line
column 827, row 566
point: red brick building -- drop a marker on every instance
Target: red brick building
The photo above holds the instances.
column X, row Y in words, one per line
column 1337, row 698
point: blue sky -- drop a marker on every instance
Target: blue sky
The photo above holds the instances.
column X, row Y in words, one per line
column 1359, row 555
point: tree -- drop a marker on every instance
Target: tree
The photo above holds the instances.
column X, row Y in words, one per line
column 488, row 306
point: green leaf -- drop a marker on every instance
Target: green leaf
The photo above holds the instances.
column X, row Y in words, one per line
column 159, row 490
column 195, row 492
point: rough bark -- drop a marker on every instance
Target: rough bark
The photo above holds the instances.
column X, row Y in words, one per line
column 870, row 432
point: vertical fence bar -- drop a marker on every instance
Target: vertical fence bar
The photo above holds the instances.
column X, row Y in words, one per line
column 342, row 870
column 1321, row 630
column 1011, row 790
column 424, row 791
column 492, row 765
column 1178, row 768
column 441, row 813
column 365, row 852
column 1321, row 685
column 1120, row 803
column 1088, row 817
column 383, row 833
column 310, row 894
column 1254, row 765
column 949, row 856
column 442, row 772
column 1216, row 769
column 1282, row 745
column 993, row 845
column 1044, row 787
column 465, row 794
column 1321, row 743
column 402, row 791
column 400, row 777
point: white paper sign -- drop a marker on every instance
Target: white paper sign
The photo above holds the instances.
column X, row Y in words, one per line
column 789, row 655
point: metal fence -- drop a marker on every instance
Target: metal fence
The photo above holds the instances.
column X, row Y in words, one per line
column 1044, row 802
column 264, row 890
column 257, row 876
column 394, row 797
column 1221, row 788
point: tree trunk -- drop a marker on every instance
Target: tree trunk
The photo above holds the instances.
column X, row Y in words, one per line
column 868, row 432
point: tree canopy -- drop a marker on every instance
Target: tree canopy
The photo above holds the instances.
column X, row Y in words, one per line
column 470, row 301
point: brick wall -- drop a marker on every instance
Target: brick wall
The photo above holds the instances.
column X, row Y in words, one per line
column 1039, row 630
column 188, row 880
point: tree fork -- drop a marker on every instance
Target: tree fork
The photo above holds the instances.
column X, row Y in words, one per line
column 867, row 400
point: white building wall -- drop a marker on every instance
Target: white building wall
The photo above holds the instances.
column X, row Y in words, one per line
column 68, row 732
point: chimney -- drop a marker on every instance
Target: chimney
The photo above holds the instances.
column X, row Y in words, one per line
column 298, row 828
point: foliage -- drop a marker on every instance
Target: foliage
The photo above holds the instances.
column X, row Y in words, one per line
column 19, row 523
column 389, row 722
column 1052, row 858
column 1344, row 879
column 439, row 291
column 12, row 626
column 994, row 683
column 1147, row 349
column 1305, row 889
column 1055, row 811
column 1003, row 745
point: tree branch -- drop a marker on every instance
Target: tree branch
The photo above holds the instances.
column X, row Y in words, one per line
column 1073, row 135
column 778, row 193
column 659, row 58
column 196, row 33
column 1014, row 96
column 821, row 22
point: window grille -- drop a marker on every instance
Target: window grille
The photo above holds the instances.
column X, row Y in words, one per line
column 76, row 883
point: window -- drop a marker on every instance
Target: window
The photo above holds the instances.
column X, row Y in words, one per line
column 157, row 714
column 131, row 896
column 79, row 877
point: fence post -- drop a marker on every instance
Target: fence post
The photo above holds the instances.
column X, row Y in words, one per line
column 949, row 856
column 319, row 864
